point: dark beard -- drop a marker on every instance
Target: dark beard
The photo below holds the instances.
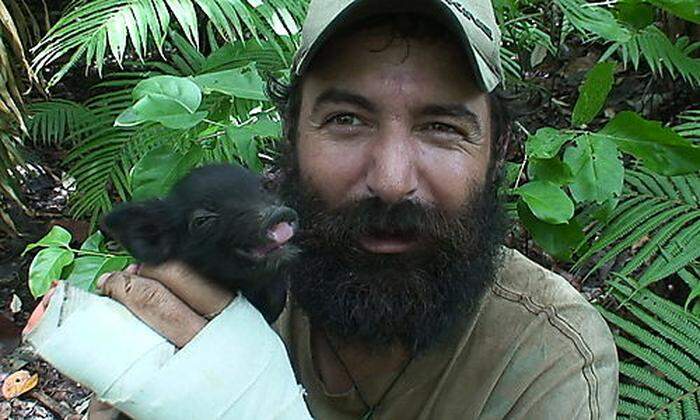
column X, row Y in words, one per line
column 415, row 298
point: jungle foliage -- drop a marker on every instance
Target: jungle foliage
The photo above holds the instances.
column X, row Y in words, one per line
column 610, row 189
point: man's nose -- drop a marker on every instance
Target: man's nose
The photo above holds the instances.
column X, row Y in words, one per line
column 391, row 175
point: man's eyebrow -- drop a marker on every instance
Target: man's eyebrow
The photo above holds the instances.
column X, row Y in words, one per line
column 451, row 110
column 339, row 96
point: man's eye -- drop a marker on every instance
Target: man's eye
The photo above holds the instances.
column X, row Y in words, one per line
column 344, row 119
column 445, row 128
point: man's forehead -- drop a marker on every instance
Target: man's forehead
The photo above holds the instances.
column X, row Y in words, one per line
column 375, row 63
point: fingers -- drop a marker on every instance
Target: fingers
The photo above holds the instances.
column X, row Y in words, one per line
column 205, row 297
column 154, row 304
column 102, row 411
column 38, row 312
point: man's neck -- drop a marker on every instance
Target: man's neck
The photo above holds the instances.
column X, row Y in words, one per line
column 362, row 362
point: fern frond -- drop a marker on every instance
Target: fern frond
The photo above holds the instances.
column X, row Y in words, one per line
column 659, row 230
column 690, row 126
column 662, row 380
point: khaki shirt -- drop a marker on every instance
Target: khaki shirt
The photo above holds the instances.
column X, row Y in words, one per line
column 535, row 350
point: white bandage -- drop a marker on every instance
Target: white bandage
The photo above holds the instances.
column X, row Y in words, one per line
column 235, row 368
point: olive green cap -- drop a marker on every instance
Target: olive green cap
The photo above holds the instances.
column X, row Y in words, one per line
column 473, row 21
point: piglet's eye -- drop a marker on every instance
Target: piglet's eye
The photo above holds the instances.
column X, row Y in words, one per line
column 202, row 218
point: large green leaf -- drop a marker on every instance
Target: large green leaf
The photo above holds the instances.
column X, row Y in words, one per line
column 659, row 148
column 546, row 142
column 686, row 9
column 156, row 173
column 558, row 240
column 178, row 89
column 47, row 267
column 170, row 100
column 547, row 201
column 597, row 169
column 243, row 83
column 57, row 236
column 552, row 170
column 85, row 270
column 593, row 93
column 94, row 243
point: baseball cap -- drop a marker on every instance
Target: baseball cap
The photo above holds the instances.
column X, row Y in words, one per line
column 472, row 21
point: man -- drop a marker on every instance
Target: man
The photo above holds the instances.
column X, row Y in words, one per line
column 404, row 304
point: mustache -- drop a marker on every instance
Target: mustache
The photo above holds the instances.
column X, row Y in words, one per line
column 372, row 216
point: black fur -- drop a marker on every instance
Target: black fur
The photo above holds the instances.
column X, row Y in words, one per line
column 213, row 220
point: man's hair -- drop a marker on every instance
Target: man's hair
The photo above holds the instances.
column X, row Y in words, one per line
column 406, row 26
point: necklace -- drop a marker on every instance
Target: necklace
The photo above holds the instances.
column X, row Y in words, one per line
column 369, row 409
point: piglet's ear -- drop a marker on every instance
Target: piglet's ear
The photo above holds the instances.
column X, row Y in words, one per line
column 147, row 230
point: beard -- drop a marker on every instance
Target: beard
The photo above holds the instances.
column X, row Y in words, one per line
column 415, row 298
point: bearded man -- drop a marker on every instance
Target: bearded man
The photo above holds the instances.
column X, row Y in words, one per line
column 404, row 304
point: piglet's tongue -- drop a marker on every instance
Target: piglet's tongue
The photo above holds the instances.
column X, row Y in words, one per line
column 281, row 233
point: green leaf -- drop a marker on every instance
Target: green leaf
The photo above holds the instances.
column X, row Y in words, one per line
column 588, row 18
column 156, row 173
column 47, row 267
column 597, row 169
column 546, row 142
column 57, row 236
column 86, row 270
column 552, row 170
column 547, row 201
column 243, row 83
column 593, row 93
column 178, row 89
column 660, row 149
column 686, row 9
column 244, row 139
column 169, row 100
column 635, row 13
column 558, row 240
column 94, row 242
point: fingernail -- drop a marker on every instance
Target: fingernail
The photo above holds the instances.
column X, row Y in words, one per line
column 133, row 268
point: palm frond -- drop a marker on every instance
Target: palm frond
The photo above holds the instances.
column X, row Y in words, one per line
column 660, row 53
column 654, row 232
column 17, row 27
column 593, row 19
column 93, row 30
column 660, row 369
column 51, row 122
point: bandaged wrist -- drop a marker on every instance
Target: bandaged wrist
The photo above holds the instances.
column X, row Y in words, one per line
column 236, row 367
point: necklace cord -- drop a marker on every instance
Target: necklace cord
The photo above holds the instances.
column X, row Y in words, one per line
column 370, row 409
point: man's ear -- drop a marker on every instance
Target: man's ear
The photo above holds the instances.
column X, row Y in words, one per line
column 147, row 230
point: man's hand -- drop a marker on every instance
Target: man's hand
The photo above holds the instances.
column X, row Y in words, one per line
column 170, row 298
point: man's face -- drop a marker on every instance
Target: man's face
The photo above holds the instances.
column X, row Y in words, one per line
column 395, row 121
column 392, row 179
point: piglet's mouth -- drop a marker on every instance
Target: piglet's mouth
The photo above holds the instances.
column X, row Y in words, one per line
column 279, row 235
column 282, row 228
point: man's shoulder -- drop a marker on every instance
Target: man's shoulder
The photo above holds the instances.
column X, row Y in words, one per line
column 536, row 323
column 525, row 287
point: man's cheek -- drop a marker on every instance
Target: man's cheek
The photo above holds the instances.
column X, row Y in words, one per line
column 334, row 173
